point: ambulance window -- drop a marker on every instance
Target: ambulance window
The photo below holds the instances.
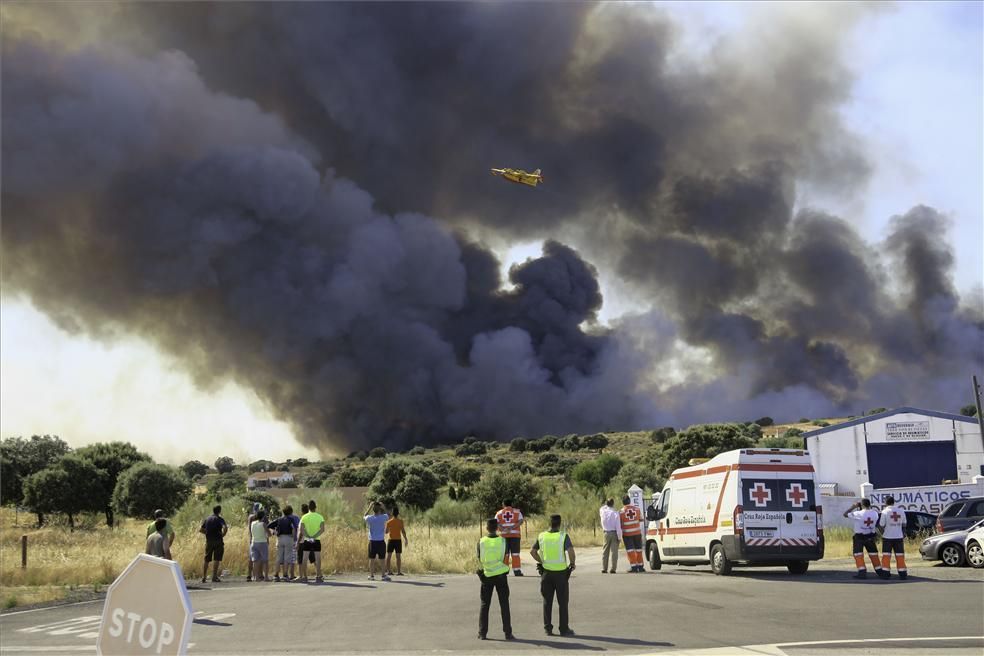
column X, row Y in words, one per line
column 954, row 509
column 664, row 502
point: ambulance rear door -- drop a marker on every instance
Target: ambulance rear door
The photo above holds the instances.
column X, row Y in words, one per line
column 798, row 503
column 762, row 512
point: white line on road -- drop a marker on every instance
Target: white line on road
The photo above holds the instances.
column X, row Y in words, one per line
column 777, row 648
column 7, row 649
column 59, row 606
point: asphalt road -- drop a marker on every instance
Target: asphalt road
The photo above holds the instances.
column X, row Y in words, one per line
column 677, row 610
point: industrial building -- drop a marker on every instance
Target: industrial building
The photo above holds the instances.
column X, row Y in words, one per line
column 901, row 448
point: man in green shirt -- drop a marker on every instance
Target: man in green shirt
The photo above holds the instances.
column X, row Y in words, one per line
column 312, row 526
column 493, row 557
column 554, row 554
column 168, row 530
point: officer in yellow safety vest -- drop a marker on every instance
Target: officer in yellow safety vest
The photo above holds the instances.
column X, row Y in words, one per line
column 494, row 574
column 554, row 554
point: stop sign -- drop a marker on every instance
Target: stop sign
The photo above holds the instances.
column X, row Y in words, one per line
column 147, row 610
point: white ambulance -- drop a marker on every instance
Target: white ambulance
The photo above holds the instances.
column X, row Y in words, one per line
column 743, row 507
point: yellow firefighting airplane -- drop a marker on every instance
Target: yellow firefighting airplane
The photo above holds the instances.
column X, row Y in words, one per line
column 520, row 176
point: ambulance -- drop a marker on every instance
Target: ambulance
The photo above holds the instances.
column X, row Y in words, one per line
column 743, row 507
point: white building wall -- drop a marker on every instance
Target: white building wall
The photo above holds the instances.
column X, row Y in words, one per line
column 840, row 456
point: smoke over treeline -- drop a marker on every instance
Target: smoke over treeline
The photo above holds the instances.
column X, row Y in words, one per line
column 296, row 197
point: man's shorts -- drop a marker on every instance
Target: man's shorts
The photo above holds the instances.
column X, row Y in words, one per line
column 312, row 545
column 513, row 545
column 632, row 541
column 893, row 546
column 259, row 552
column 863, row 541
column 377, row 549
column 214, row 550
column 394, row 545
column 285, row 551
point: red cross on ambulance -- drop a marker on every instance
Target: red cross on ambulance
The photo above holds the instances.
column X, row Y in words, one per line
column 796, row 495
column 760, row 494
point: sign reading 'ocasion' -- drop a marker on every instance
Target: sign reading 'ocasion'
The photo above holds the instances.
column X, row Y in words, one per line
column 147, row 610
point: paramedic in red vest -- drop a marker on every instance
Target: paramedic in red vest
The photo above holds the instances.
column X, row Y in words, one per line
column 510, row 520
column 865, row 528
column 631, row 518
column 554, row 555
column 893, row 538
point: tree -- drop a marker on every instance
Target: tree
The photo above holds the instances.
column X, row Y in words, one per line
column 300, row 462
column 596, row 442
column 418, row 451
column 314, row 480
column 540, row 445
column 572, row 443
column 378, row 452
column 229, row 484
column 355, row 476
column 518, row 445
column 637, row 473
column 326, row 468
column 261, row 465
column 21, row 458
column 224, row 465
column 464, row 477
column 597, row 472
column 472, row 448
column 660, row 435
column 498, row 485
column 969, row 410
column 193, row 469
column 405, row 482
column 71, row 486
column 112, row 459
column 702, row 441
column 793, row 432
column 145, row 487
column 781, row 442
column 875, row 411
column 765, row 421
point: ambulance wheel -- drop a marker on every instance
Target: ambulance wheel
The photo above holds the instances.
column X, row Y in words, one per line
column 798, row 566
column 720, row 564
column 652, row 555
column 952, row 555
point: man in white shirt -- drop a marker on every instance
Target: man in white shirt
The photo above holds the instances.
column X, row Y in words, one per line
column 611, row 524
column 865, row 525
column 893, row 538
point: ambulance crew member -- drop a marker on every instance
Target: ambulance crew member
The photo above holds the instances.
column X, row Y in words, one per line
column 510, row 520
column 554, row 554
column 893, row 538
column 865, row 527
column 631, row 519
column 493, row 554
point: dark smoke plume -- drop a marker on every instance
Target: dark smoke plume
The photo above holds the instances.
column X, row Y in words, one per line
column 294, row 197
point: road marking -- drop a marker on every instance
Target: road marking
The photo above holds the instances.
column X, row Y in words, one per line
column 6, row 649
column 55, row 628
column 59, row 606
column 777, row 648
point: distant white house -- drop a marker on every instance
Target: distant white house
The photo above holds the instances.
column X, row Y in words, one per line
column 268, row 479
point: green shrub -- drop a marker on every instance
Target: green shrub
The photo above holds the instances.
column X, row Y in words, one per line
column 355, row 476
column 497, row 485
column 765, row 421
column 781, row 442
column 378, row 452
column 313, row 480
column 517, row 445
column 226, row 485
column 268, row 501
column 702, row 441
column 145, row 487
column 472, row 448
column 820, row 423
column 418, row 451
column 597, row 472
column 637, row 473
column 448, row 512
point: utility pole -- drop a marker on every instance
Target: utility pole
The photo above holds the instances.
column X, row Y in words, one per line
column 977, row 402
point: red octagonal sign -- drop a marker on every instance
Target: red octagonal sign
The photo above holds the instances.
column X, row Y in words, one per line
column 147, row 610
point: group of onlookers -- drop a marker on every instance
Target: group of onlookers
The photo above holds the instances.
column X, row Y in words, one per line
column 296, row 537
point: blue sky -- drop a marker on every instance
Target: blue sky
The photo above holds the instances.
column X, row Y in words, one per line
column 916, row 107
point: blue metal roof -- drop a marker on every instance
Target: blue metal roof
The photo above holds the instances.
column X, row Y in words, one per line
column 888, row 413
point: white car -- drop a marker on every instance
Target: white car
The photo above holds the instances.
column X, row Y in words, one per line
column 974, row 547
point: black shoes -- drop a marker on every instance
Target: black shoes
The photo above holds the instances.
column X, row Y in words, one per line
column 510, row 636
column 517, row 572
column 604, row 571
column 482, row 637
column 548, row 632
column 567, row 633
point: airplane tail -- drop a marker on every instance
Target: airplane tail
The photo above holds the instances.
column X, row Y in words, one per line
column 538, row 175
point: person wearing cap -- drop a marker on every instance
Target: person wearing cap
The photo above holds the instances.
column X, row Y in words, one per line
column 493, row 555
column 257, row 507
column 554, row 554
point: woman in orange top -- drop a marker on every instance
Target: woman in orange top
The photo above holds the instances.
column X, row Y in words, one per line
column 394, row 531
